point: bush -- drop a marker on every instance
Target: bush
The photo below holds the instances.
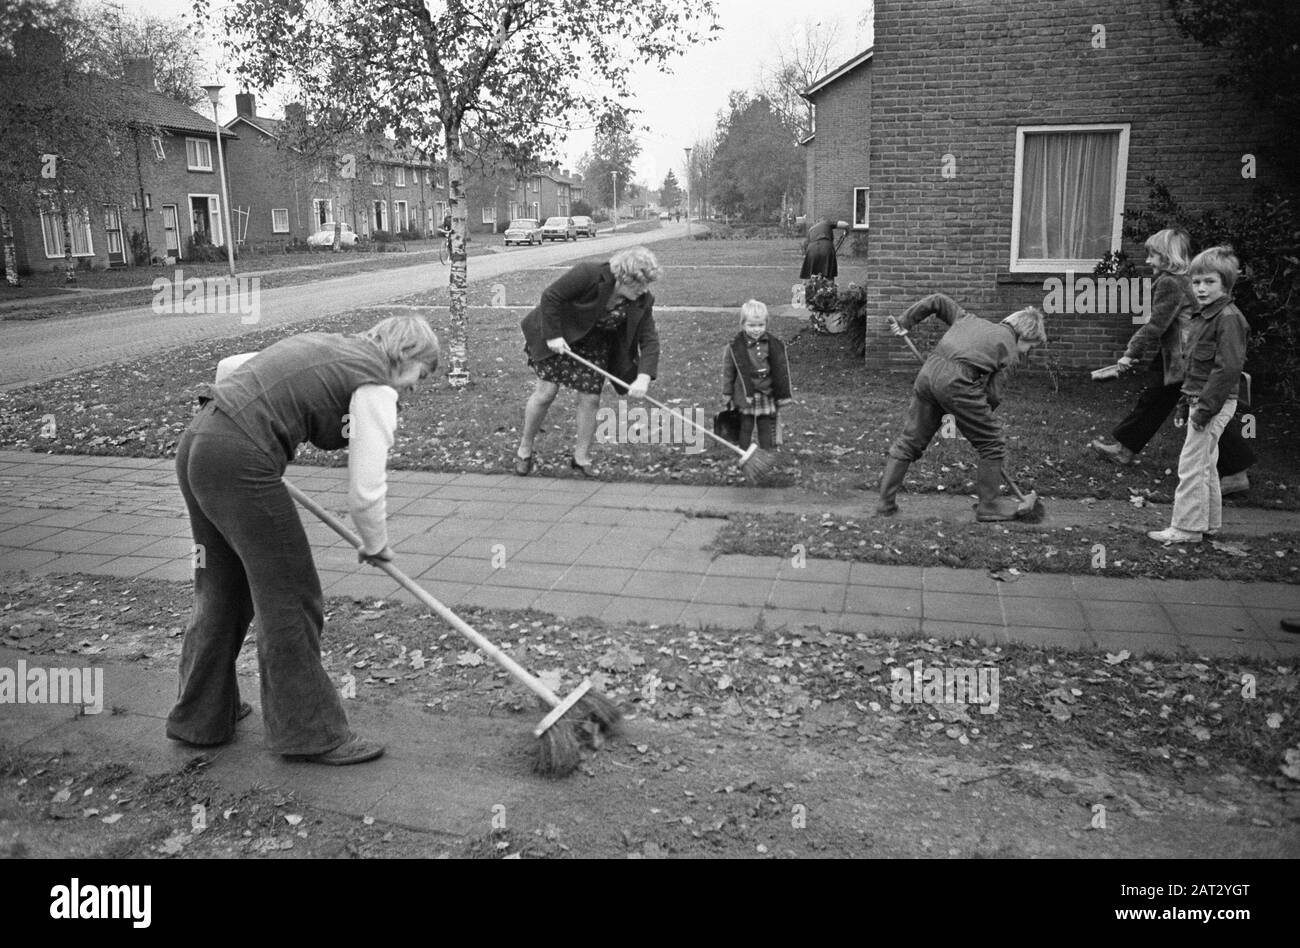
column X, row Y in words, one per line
column 581, row 209
column 382, row 237
column 200, row 249
column 139, row 252
column 1265, row 235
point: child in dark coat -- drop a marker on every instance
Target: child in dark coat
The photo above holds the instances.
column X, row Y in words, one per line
column 756, row 376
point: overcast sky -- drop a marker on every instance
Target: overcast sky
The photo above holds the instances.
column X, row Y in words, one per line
column 677, row 107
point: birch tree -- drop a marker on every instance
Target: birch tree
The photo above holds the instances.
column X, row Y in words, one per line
column 429, row 72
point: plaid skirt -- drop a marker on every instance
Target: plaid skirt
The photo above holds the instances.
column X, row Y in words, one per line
column 596, row 347
column 762, row 404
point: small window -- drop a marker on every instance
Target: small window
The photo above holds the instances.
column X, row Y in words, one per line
column 135, row 202
column 198, row 154
column 489, row 215
column 148, row 201
column 158, row 148
column 400, row 171
column 861, row 208
column 279, row 220
column 377, row 175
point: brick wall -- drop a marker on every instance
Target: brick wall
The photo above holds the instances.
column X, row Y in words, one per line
column 957, row 77
column 264, row 176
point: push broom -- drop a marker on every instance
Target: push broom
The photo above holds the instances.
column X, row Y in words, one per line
column 755, row 463
column 558, row 743
column 1031, row 509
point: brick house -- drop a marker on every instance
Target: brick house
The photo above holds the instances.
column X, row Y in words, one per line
column 540, row 193
column 177, row 198
column 281, row 196
column 992, row 147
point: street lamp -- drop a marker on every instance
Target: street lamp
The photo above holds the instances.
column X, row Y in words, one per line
column 214, row 93
column 688, row 191
column 614, row 175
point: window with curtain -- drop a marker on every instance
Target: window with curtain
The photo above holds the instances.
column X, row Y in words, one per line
column 1069, row 195
column 198, row 154
column 78, row 226
column 279, row 220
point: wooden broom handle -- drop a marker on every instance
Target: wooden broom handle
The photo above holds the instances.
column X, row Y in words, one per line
column 419, row 592
column 618, row 381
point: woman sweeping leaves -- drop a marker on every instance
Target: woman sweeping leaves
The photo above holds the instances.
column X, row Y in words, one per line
column 252, row 555
column 605, row 312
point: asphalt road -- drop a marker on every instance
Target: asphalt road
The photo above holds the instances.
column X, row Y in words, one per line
column 39, row 350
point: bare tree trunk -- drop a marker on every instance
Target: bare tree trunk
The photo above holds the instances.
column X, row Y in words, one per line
column 458, row 330
column 10, row 251
column 69, row 262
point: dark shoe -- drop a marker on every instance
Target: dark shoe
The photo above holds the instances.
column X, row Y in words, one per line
column 524, row 466
column 586, row 470
column 890, row 481
column 993, row 508
column 245, row 709
column 355, row 750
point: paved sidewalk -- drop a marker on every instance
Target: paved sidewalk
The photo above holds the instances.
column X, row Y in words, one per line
column 635, row 552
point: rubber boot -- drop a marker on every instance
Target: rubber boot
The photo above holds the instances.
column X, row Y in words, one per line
column 988, row 484
column 890, row 481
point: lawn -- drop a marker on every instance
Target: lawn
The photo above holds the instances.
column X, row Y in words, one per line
column 836, row 434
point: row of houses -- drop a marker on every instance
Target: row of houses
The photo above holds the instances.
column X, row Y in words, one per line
column 985, row 148
column 278, row 197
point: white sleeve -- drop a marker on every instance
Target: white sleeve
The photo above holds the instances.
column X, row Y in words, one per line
column 230, row 363
column 373, row 423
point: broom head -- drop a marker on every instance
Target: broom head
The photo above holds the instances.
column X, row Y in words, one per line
column 558, row 751
column 756, row 464
column 1031, row 509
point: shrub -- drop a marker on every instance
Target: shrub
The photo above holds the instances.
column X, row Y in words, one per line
column 382, row 237
column 139, row 252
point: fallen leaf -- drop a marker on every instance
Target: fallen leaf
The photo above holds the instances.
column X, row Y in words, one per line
column 1274, row 720
column 293, row 819
column 1116, row 659
column 469, row 659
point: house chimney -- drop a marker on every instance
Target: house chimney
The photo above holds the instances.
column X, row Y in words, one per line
column 140, row 72
column 246, row 104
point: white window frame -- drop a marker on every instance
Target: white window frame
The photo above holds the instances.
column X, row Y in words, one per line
column 865, row 222
column 54, row 229
column 489, row 215
column 401, row 216
column 377, row 175
column 200, row 144
column 277, row 228
column 316, row 205
column 381, row 219
column 158, row 151
column 400, row 176
column 1117, row 213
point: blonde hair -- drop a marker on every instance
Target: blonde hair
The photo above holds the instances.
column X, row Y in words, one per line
column 635, row 265
column 1220, row 260
column 753, row 308
column 1173, row 246
column 405, row 339
column 1028, row 324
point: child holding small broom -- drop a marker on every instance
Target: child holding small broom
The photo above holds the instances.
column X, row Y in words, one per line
column 961, row 377
column 756, row 376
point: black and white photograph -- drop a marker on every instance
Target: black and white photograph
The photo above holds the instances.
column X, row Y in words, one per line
column 652, row 430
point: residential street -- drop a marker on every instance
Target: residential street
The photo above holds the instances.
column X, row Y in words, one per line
column 39, row 350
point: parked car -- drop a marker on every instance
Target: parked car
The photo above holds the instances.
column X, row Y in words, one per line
column 524, row 231
column 664, row 215
column 325, row 236
column 585, row 226
column 559, row 228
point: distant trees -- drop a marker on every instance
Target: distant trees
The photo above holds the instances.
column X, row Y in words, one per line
column 756, row 168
